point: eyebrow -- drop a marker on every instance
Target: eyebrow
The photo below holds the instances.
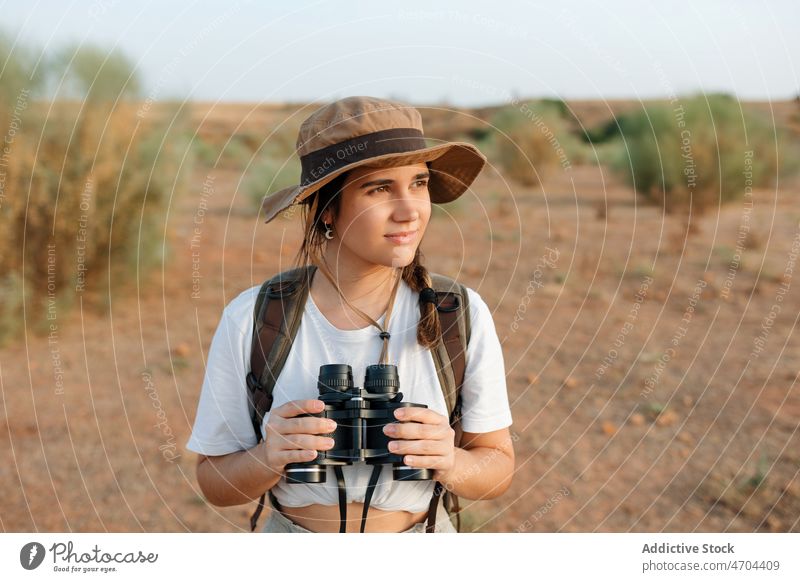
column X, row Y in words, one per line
column 385, row 182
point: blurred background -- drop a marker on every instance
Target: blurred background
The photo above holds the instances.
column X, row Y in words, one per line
column 635, row 234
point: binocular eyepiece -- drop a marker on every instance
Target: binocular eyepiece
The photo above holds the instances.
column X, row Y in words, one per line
column 360, row 415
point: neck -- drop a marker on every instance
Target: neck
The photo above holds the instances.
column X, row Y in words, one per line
column 361, row 282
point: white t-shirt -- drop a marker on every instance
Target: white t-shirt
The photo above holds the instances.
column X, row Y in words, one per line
column 223, row 424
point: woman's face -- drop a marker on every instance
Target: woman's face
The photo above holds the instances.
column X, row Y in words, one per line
column 376, row 202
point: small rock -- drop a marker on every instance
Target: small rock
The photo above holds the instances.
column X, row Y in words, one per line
column 686, row 438
column 570, row 382
column 792, row 488
column 666, row 418
column 533, row 378
column 774, row 523
column 609, row 427
column 181, row 350
column 636, row 419
column 473, row 271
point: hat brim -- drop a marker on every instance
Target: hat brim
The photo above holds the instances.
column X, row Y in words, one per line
column 454, row 166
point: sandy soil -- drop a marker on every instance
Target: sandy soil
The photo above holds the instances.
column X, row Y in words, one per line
column 622, row 302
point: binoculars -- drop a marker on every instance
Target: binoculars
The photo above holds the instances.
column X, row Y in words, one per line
column 360, row 415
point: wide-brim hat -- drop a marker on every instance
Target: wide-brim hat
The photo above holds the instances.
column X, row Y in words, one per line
column 358, row 131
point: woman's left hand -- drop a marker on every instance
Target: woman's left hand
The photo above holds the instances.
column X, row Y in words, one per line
column 425, row 438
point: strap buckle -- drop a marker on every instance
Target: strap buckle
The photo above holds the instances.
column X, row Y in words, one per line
column 252, row 382
column 280, row 289
column 443, row 306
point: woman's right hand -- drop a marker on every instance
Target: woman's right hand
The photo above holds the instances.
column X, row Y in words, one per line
column 289, row 439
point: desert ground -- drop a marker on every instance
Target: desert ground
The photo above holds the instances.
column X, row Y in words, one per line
column 653, row 387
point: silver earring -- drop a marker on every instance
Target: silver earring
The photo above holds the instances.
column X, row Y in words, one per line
column 328, row 231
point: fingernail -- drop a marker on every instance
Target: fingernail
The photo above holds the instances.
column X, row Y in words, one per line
column 399, row 413
column 331, row 425
column 389, row 429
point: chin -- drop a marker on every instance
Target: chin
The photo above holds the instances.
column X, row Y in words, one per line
column 400, row 260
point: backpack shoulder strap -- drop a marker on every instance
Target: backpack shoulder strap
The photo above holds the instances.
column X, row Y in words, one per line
column 276, row 319
column 450, row 354
column 450, row 358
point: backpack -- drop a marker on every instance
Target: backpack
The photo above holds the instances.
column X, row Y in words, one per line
column 278, row 310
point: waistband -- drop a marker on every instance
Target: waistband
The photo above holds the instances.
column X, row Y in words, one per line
column 441, row 517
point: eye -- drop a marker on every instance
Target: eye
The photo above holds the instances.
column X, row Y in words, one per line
column 424, row 182
column 376, row 189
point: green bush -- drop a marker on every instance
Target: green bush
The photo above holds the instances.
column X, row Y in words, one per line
column 268, row 175
column 532, row 139
column 91, row 188
column 233, row 154
column 695, row 153
column 91, row 73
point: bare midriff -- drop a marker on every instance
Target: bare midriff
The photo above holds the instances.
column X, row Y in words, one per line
column 325, row 518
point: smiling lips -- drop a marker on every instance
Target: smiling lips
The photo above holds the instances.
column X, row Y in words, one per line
column 403, row 237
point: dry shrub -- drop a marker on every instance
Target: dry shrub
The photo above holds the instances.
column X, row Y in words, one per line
column 533, row 139
column 700, row 152
column 85, row 189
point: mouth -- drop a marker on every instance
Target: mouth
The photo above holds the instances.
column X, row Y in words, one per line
column 402, row 237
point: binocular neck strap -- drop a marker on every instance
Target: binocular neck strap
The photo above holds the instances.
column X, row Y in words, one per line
column 342, row 498
column 384, row 335
column 373, row 481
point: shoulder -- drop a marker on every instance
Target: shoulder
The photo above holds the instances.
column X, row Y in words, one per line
column 481, row 320
column 239, row 311
column 478, row 308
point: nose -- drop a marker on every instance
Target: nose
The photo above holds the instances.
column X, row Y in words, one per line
column 406, row 207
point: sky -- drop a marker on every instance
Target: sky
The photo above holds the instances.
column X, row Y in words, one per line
column 464, row 53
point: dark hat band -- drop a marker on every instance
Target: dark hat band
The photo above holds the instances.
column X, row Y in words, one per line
column 320, row 163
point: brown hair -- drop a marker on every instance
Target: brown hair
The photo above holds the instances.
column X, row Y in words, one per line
column 415, row 273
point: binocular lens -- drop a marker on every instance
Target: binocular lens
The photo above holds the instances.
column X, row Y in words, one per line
column 300, row 473
column 335, row 378
column 381, row 379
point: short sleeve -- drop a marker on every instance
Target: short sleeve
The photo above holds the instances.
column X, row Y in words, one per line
column 222, row 424
column 484, row 394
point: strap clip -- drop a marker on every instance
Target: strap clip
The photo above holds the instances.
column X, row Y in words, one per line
column 281, row 289
column 445, row 306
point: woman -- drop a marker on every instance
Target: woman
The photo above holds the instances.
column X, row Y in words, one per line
column 367, row 184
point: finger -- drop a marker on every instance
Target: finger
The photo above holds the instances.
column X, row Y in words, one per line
column 423, row 447
column 425, row 415
column 425, row 461
column 306, row 441
column 295, row 407
column 413, row 430
column 307, row 425
column 296, row 456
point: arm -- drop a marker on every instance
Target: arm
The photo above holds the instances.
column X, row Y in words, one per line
column 483, row 465
column 235, row 478
column 481, row 468
column 242, row 476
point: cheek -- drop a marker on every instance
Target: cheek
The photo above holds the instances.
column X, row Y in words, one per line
column 425, row 212
column 368, row 225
